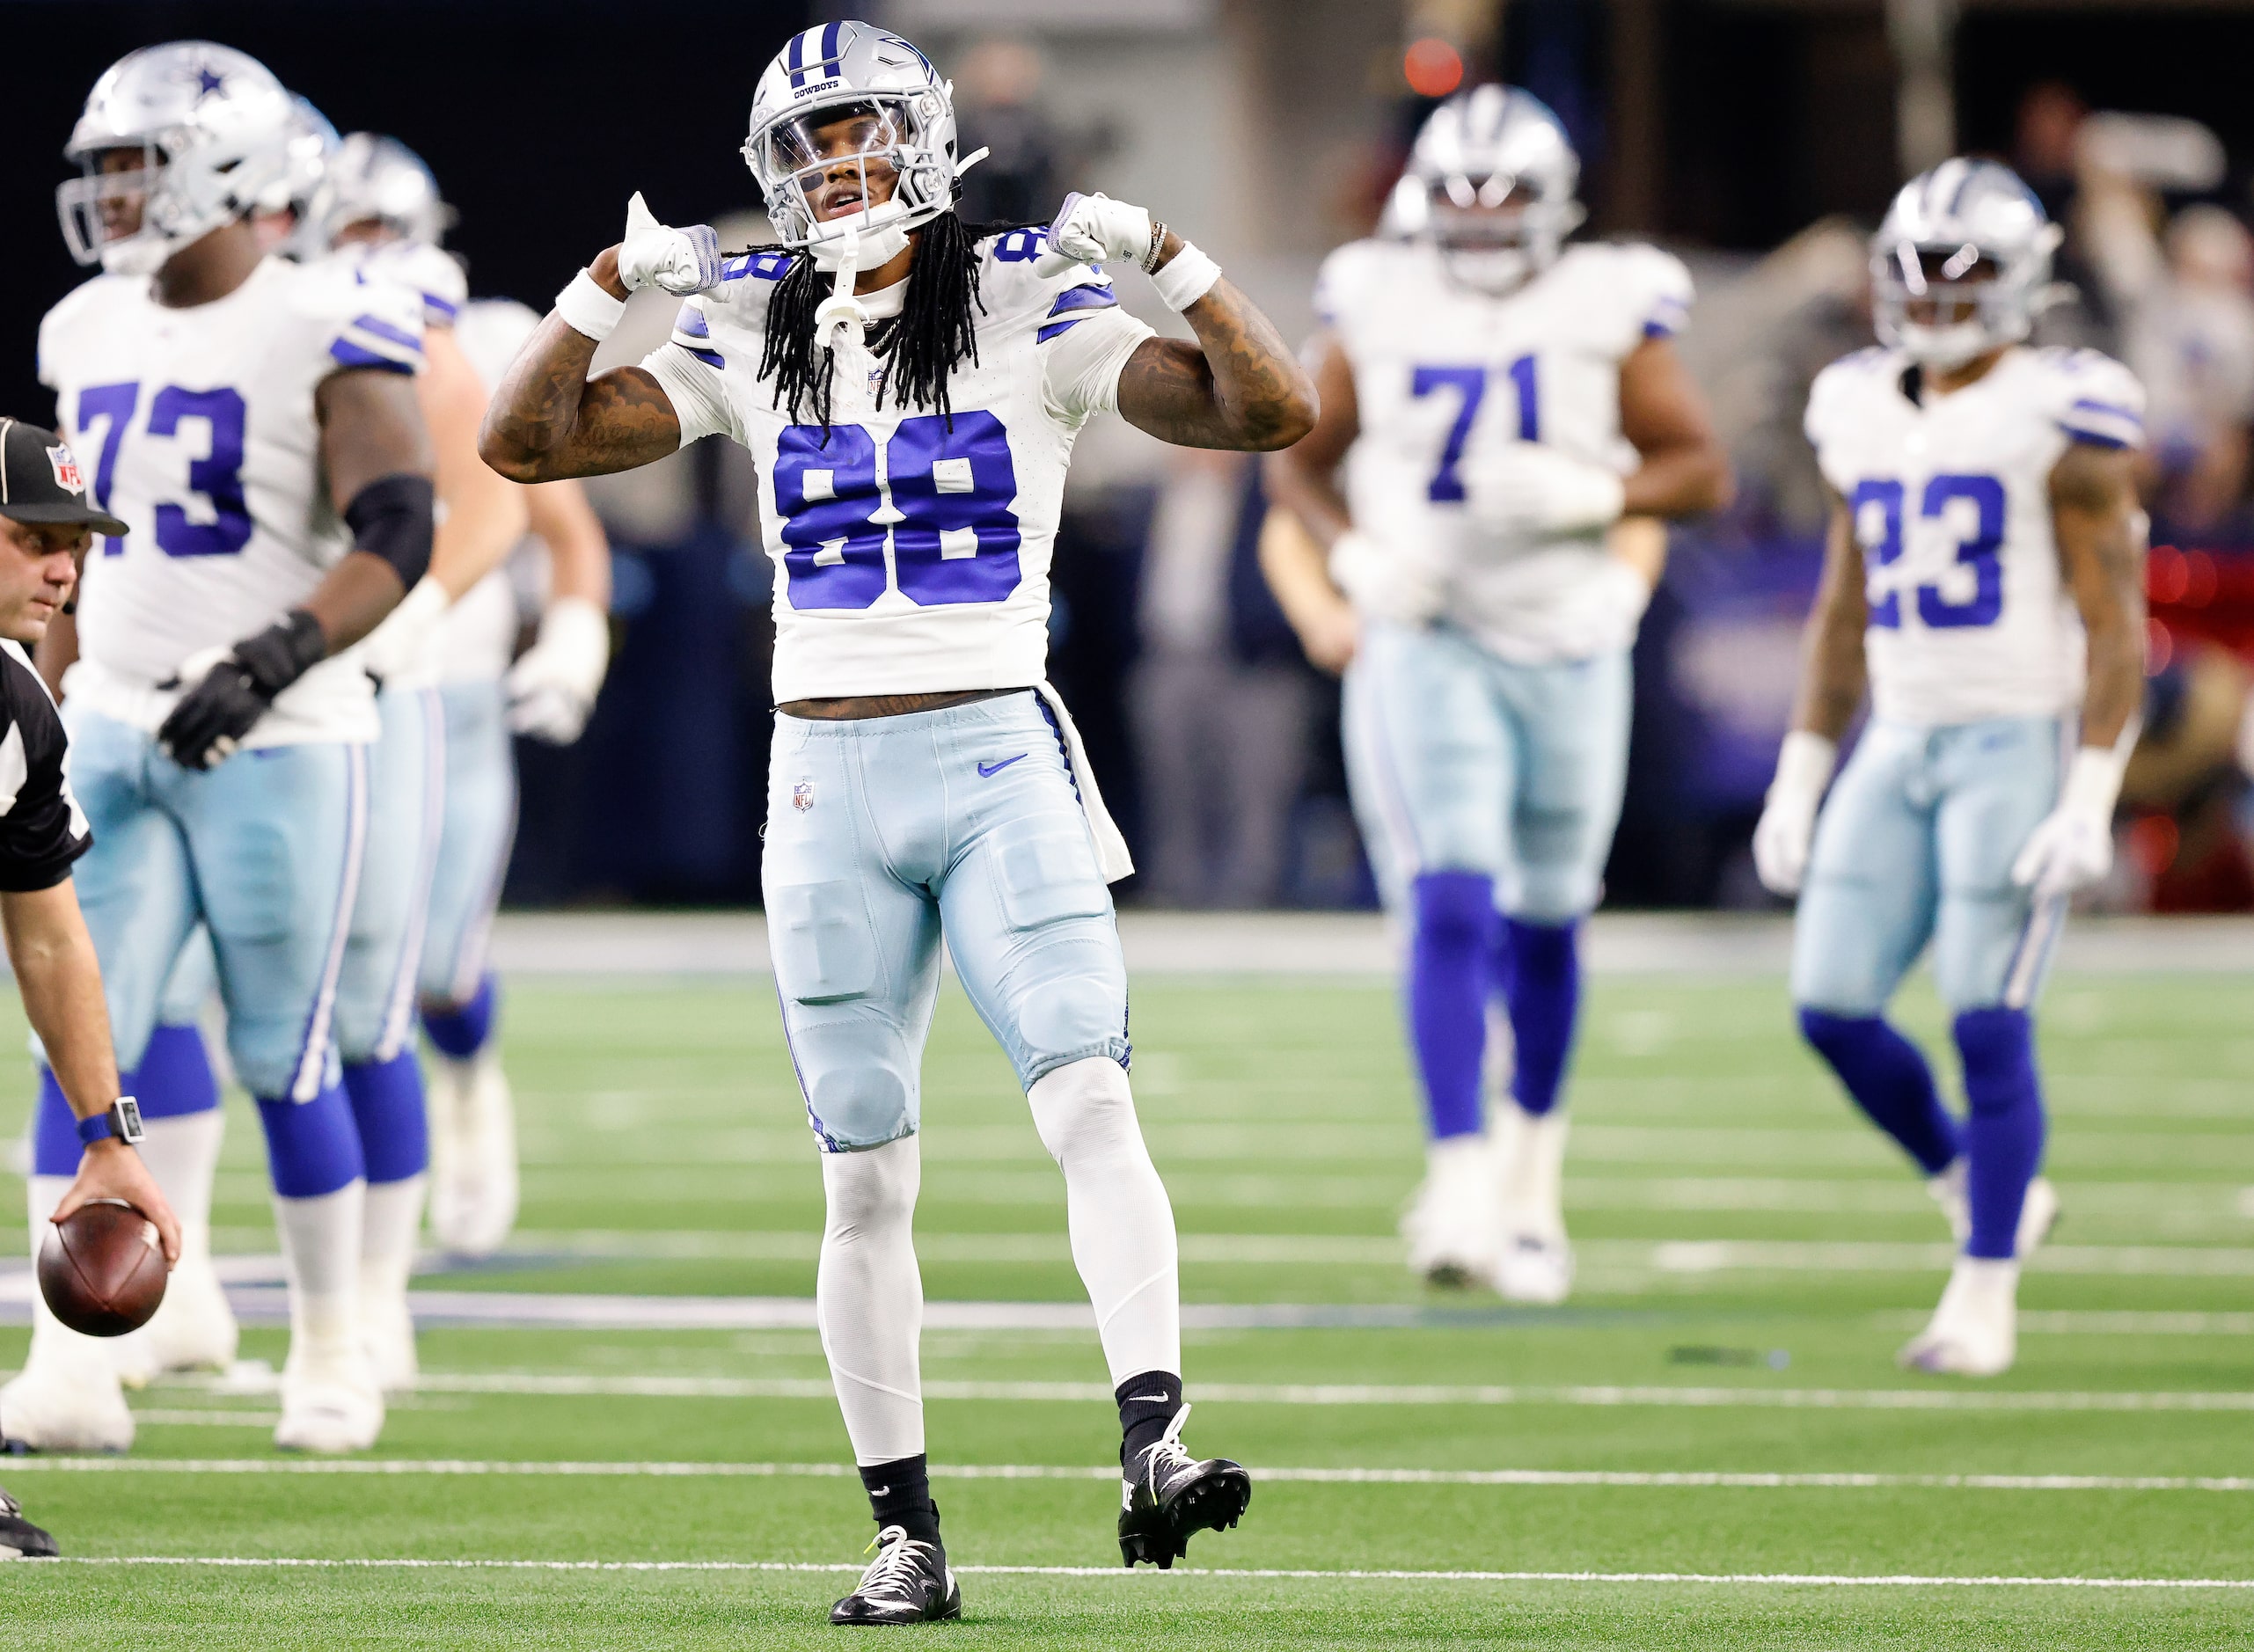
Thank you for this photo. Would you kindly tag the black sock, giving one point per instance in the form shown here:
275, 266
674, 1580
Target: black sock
900, 1495
1147, 1404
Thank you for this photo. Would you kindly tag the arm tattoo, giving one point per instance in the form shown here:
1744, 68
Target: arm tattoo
548, 420
1238, 387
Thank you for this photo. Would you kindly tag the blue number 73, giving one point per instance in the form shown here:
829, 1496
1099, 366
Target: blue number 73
1470, 384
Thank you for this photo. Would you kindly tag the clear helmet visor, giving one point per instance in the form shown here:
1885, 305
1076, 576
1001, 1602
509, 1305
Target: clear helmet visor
1944, 306
844, 163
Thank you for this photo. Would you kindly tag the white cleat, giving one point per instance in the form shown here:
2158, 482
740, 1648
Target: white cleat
2038, 1213
1453, 1238
330, 1404
193, 1328
1975, 1330
67, 1403
474, 1189
1535, 1268
387, 1336
1535, 1263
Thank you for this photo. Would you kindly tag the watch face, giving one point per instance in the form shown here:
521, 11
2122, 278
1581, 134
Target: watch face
129, 1118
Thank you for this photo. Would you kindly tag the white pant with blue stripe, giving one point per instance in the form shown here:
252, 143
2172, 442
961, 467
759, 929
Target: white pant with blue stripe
886, 834
1459, 761
480, 826
1915, 844
264, 850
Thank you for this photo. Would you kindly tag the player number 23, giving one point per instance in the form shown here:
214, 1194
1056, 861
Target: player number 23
945, 500
1969, 506
218, 477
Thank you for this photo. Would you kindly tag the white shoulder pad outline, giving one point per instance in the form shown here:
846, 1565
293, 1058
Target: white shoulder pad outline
2094, 398
1342, 282
366, 318
1832, 392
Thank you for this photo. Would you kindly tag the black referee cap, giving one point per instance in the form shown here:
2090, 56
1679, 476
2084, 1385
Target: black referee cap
41, 480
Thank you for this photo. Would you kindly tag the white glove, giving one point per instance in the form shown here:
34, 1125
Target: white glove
553, 688
400, 645
1385, 580
1787, 823
1525, 490
2072, 846
1094, 229
678, 261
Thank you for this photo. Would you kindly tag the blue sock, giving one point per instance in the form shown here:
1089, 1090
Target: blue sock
387, 1108
1448, 970
1541, 988
1890, 1081
461, 1032
312, 1148
55, 1130
2004, 1140
174, 1078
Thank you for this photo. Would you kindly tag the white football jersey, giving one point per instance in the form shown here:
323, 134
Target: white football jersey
200, 428
478, 638
1970, 616
433, 273
1443, 372
913, 549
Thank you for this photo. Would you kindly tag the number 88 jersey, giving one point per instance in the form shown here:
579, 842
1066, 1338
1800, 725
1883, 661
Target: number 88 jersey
911, 547
1949, 495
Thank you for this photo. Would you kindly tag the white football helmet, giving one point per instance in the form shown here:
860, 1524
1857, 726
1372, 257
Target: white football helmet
822, 78
1962, 263
373, 177
1490, 183
311, 139
212, 126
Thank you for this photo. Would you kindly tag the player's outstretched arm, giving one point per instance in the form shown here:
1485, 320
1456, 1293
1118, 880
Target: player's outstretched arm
52, 958
1238, 387
1686, 470
548, 420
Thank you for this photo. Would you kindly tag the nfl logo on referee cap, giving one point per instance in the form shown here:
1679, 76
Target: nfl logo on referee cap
801, 796
65, 464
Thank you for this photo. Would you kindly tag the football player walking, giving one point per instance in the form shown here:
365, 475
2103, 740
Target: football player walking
911, 388
1983, 578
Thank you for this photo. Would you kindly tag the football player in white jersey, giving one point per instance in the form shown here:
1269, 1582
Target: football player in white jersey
256, 425
910, 390
1983, 578
1496, 406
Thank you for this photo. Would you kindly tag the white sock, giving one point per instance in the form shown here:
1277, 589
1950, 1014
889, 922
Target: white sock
1121, 1223
1531, 1153
391, 1222
54, 1345
869, 1299
320, 1248
182, 1153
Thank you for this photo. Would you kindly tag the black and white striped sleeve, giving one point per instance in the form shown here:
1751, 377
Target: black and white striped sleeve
42, 830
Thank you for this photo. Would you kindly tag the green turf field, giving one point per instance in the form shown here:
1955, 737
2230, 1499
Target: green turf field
1714, 1433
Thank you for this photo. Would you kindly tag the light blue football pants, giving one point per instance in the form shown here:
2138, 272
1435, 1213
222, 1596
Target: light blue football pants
195, 978
885, 834
1915, 844
474, 841
376, 989
1461, 762
264, 850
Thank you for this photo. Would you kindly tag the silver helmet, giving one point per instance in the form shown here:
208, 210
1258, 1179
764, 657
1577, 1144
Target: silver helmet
371, 178
211, 124
886, 114
311, 139
1491, 182
1962, 263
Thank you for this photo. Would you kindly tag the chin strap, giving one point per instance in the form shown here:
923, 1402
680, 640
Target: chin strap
843, 319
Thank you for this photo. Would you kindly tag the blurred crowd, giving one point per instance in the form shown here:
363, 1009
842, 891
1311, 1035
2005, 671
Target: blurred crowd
1217, 737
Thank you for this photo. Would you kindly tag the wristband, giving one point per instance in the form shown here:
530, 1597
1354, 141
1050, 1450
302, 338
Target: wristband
1187, 277
1804, 765
122, 1120
587, 309
2093, 781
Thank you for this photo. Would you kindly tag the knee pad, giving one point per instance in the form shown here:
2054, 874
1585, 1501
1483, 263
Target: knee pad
859, 1081
1084, 1107
1070, 1016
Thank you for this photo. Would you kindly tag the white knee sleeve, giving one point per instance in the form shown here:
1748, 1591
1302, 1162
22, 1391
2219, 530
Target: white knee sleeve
1121, 1225
869, 1299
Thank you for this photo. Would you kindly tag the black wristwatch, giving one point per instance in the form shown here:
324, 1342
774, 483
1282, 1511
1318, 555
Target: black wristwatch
122, 1120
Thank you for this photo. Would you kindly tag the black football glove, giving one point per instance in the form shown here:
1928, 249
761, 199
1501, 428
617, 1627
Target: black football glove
209, 723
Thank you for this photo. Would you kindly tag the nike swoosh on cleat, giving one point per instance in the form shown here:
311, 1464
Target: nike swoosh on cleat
987, 770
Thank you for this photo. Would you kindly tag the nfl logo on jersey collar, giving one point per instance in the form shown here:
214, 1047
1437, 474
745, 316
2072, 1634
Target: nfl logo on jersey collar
801, 796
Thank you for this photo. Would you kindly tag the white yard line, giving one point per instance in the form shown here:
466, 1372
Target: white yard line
1154, 1579
1511, 1477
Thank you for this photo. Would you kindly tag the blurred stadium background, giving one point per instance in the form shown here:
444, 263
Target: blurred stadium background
1759, 138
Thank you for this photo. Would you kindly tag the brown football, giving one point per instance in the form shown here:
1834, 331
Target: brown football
102, 1268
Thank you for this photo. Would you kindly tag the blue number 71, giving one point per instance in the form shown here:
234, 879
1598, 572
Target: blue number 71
1470, 383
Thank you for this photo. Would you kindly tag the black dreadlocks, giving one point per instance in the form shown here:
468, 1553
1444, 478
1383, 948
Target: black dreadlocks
936, 328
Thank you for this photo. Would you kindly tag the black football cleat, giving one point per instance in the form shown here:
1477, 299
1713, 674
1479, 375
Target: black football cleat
1168, 1495
909, 1581
19, 1539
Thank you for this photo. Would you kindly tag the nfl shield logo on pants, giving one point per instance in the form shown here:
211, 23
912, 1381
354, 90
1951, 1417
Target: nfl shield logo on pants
801, 796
